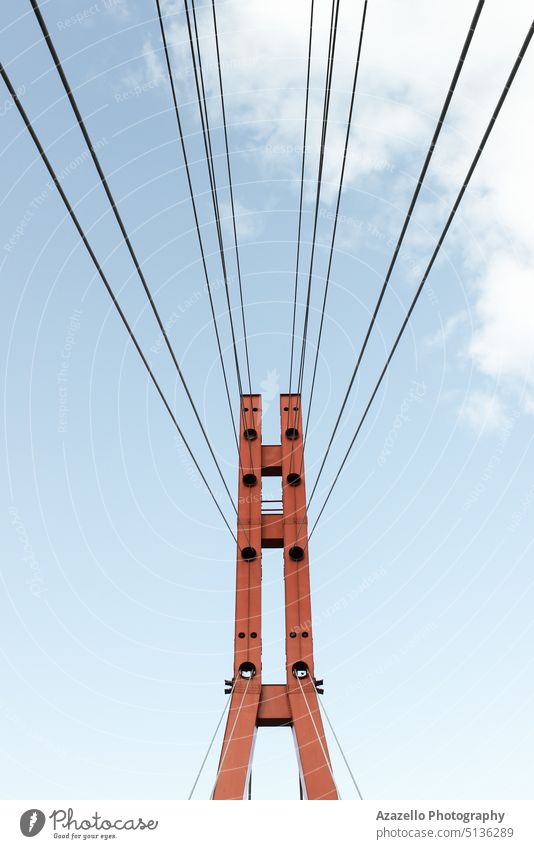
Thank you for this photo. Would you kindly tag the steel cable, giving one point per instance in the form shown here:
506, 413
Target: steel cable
305, 131
407, 219
120, 222
236, 247
206, 134
441, 239
336, 218
195, 213
104, 279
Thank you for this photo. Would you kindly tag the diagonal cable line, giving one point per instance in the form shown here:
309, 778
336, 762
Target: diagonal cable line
212, 740
326, 108
332, 242
407, 219
199, 235
326, 102
343, 755
299, 229
104, 279
334, 230
195, 215
206, 134
236, 246
124, 232
437, 249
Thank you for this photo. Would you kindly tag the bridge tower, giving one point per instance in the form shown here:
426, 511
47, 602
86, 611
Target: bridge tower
253, 703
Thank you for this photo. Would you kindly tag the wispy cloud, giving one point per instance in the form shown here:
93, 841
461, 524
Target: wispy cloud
248, 221
447, 330
484, 412
401, 88
146, 74
503, 344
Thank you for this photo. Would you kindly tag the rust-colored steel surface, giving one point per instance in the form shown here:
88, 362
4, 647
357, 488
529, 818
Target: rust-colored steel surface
294, 703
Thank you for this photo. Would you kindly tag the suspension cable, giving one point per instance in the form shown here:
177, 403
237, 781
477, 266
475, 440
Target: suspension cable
236, 247
336, 218
104, 279
206, 134
323, 710
195, 214
295, 293
407, 219
199, 235
205, 758
326, 106
428, 269
124, 232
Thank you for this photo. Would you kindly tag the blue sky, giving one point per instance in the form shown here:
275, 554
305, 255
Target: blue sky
117, 602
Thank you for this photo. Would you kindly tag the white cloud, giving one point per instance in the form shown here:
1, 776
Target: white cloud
153, 66
147, 74
248, 221
484, 412
409, 53
503, 346
447, 330
119, 9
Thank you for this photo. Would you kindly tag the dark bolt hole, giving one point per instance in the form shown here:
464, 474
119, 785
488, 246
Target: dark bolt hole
241, 635
250, 433
250, 479
296, 552
295, 409
253, 634
305, 634
300, 670
292, 635
254, 409
293, 479
245, 409
292, 433
248, 553
286, 409
247, 669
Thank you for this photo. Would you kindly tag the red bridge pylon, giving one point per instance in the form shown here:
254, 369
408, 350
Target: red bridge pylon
254, 704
